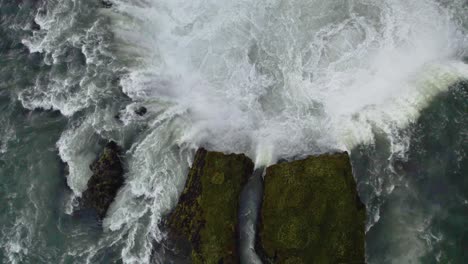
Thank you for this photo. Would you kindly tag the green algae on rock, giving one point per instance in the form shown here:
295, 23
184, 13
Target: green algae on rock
311, 213
206, 215
106, 180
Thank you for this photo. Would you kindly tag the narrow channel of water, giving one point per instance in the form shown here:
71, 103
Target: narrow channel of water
250, 202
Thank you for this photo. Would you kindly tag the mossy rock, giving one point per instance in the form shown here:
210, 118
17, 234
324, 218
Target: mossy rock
311, 213
106, 180
206, 215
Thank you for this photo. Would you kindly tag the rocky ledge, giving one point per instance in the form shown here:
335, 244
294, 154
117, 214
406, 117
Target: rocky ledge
310, 212
206, 215
106, 180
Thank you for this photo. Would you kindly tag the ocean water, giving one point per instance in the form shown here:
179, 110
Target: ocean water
384, 80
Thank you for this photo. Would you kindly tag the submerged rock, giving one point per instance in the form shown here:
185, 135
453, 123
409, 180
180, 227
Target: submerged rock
141, 111
35, 26
311, 213
106, 3
106, 180
207, 212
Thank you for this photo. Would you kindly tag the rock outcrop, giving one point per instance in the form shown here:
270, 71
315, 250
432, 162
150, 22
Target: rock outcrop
106, 180
106, 3
141, 111
206, 215
311, 213
35, 26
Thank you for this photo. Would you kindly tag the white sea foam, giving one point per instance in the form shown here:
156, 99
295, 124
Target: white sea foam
318, 81
7, 134
16, 246
271, 79
77, 53
274, 79
19, 236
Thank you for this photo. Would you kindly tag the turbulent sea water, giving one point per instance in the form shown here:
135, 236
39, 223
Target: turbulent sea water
275, 79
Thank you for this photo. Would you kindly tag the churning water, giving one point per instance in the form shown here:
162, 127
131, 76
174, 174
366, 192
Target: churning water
273, 79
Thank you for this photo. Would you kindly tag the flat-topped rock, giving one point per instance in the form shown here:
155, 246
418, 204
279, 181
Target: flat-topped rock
207, 212
311, 213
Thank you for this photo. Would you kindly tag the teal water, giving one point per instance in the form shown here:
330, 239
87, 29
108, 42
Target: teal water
424, 217
34, 225
294, 78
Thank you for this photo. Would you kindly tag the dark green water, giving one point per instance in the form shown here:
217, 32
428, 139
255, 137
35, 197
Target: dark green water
426, 214
33, 187
62, 85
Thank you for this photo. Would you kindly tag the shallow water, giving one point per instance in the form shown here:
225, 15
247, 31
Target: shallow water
273, 79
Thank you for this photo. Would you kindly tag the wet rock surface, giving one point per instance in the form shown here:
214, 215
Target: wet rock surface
141, 111
106, 180
106, 3
35, 26
311, 213
207, 212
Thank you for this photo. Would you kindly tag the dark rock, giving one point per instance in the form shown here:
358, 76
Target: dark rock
106, 3
311, 213
35, 26
206, 215
106, 180
141, 111
464, 245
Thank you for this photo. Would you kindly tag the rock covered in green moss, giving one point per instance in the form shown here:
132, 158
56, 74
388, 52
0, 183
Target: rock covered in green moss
311, 212
106, 180
206, 214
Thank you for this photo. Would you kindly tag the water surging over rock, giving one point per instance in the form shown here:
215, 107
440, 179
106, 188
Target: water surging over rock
106, 180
